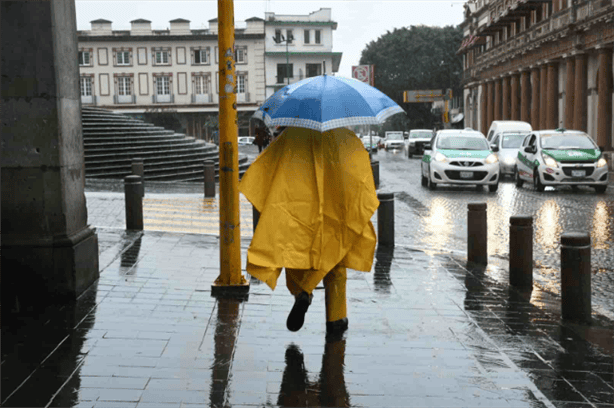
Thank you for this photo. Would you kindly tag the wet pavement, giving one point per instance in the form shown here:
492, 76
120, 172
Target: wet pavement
425, 331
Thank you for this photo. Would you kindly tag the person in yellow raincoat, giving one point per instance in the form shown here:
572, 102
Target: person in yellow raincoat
316, 196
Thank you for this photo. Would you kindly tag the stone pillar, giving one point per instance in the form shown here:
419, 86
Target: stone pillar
525, 96
543, 100
491, 104
505, 98
49, 253
483, 110
569, 93
580, 108
553, 96
604, 107
535, 88
498, 86
515, 100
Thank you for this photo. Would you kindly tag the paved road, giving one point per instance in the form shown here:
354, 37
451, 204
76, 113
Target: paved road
437, 220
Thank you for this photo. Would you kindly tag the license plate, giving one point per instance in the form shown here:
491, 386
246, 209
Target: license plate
466, 174
578, 173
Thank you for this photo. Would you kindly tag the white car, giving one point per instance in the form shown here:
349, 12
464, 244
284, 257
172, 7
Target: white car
561, 157
418, 138
394, 140
460, 157
508, 144
246, 140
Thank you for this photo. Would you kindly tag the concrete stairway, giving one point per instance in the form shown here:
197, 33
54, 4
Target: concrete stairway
111, 141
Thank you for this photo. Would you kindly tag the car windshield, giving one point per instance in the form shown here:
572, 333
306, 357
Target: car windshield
512, 141
395, 136
420, 135
557, 141
462, 143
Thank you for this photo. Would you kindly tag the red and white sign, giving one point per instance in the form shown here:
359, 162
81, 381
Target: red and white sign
363, 73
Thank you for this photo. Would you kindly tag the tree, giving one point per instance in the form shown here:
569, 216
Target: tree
418, 57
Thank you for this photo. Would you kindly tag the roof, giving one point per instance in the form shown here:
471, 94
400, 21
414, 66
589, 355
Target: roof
312, 23
179, 20
213, 20
255, 19
140, 20
460, 132
100, 20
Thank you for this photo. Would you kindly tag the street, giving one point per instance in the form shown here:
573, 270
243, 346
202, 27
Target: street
437, 220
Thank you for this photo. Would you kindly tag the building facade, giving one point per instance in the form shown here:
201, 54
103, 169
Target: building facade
546, 62
298, 47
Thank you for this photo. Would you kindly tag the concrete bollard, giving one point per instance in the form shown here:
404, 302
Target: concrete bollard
255, 217
138, 169
576, 276
134, 202
375, 169
476, 234
521, 251
209, 179
385, 220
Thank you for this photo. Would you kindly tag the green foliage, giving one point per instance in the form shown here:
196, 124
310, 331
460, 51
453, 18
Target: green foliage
414, 58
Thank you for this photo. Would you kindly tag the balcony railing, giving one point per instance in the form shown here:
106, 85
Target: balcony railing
120, 99
202, 98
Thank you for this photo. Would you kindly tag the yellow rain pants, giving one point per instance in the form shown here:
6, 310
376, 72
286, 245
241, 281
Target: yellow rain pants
316, 196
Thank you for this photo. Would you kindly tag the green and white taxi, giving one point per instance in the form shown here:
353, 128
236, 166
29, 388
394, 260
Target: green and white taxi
460, 157
561, 157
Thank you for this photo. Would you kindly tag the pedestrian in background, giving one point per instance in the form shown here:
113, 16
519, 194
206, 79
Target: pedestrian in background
262, 137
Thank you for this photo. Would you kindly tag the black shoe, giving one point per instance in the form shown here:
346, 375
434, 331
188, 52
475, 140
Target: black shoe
296, 318
337, 327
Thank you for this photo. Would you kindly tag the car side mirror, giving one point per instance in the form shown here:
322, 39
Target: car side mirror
529, 149
494, 147
427, 146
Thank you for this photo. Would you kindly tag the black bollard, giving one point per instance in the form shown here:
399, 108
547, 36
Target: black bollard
476, 234
134, 202
209, 179
375, 169
138, 169
521, 251
255, 217
385, 220
576, 276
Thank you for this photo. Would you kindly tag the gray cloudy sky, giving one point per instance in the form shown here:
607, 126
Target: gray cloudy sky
359, 22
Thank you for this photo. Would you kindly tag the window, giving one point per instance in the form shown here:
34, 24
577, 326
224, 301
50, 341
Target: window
84, 58
306, 36
277, 35
284, 71
201, 84
163, 85
201, 56
241, 83
86, 86
318, 36
123, 86
289, 36
313, 70
241, 55
123, 58
162, 57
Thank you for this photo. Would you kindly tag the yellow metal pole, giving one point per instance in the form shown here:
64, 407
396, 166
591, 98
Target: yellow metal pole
231, 279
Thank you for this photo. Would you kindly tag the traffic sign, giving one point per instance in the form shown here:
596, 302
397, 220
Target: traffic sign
429, 95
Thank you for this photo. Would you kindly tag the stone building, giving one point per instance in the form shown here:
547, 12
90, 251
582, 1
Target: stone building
546, 62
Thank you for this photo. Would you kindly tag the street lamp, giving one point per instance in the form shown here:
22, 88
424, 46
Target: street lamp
279, 40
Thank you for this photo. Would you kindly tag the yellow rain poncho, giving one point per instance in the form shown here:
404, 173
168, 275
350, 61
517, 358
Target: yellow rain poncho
316, 196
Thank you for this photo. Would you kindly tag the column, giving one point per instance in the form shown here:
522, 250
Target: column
535, 88
515, 100
505, 98
491, 104
569, 93
553, 95
580, 103
543, 97
49, 253
483, 110
604, 107
498, 86
525, 96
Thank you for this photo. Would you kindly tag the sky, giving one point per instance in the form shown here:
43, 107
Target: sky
358, 22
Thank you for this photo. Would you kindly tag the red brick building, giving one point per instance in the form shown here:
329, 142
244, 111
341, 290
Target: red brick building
546, 62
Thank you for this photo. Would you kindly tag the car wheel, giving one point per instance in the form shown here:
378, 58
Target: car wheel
424, 182
537, 183
493, 187
410, 154
430, 184
519, 181
600, 189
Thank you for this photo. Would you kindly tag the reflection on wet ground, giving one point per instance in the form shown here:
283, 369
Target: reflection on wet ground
424, 331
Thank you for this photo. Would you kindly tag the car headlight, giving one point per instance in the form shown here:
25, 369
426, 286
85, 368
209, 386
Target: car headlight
601, 162
440, 157
492, 158
510, 160
549, 161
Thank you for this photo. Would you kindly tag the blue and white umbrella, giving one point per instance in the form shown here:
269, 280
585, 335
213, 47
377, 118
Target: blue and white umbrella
327, 102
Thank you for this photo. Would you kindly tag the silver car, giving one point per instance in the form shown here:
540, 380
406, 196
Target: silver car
508, 144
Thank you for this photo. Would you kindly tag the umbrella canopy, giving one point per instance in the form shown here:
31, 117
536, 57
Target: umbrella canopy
325, 102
